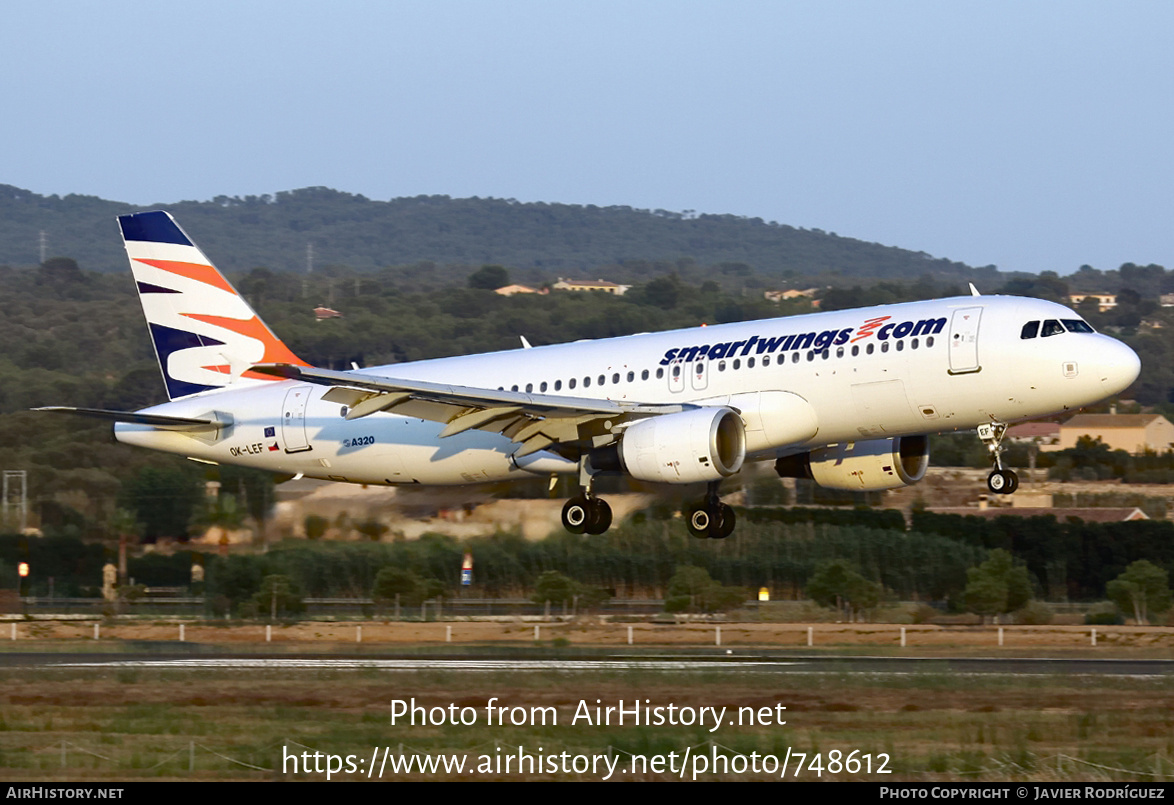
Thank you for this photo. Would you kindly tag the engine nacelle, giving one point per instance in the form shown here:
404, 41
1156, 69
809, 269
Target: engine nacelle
704, 444
861, 466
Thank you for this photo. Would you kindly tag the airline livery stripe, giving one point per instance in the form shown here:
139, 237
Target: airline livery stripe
275, 351
200, 272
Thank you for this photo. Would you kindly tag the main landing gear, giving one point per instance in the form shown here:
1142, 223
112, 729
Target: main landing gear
1001, 481
587, 514
712, 519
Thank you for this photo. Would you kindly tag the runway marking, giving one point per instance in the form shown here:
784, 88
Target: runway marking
430, 665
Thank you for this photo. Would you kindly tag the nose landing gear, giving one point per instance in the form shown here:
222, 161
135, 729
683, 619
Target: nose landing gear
1001, 481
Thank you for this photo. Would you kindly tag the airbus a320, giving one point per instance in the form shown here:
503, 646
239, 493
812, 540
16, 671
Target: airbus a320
844, 398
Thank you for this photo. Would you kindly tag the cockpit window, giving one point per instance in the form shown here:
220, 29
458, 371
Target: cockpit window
1030, 330
1078, 326
1052, 327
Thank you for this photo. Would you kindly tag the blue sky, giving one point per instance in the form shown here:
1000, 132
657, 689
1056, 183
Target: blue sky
1033, 136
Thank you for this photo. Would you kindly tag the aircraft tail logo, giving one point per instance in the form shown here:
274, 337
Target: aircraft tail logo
206, 335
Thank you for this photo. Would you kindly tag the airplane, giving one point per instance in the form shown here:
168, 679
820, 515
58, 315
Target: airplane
845, 398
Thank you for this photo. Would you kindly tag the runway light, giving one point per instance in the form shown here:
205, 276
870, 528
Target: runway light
763, 594
23, 569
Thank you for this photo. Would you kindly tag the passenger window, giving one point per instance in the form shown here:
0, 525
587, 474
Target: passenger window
750, 363
543, 386
871, 348
660, 374
615, 378
900, 346
885, 347
737, 363
571, 383
558, 385
631, 376
644, 375
1030, 330
929, 341
1051, 327
855, 351
586, 382
529, 387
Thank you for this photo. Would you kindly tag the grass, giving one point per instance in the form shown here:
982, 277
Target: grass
121, 724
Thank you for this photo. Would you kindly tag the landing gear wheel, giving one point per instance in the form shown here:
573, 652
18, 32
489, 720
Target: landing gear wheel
700, 521
599, 519
1002, 482
727, 522
713, 520
577, 514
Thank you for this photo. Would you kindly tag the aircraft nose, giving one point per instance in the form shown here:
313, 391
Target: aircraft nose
1117, 366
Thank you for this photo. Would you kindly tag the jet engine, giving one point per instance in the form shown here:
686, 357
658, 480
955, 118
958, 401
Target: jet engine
704, 444
861, 466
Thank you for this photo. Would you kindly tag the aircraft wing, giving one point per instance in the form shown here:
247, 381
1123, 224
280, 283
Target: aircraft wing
536, 421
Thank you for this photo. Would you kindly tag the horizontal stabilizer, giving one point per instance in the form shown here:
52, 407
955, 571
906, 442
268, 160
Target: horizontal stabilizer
179, 423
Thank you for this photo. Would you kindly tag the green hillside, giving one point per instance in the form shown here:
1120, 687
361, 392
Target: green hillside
543, 240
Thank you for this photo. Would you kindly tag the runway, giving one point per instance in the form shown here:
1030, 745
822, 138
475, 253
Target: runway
748, 662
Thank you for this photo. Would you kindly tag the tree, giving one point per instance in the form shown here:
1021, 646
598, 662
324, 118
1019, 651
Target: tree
1143, 587
998, 585
556, 588
836, 584
692, 589
278, 596
489, 278
411, 588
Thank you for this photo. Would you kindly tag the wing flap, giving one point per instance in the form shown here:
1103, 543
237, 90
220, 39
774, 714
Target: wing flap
534, 421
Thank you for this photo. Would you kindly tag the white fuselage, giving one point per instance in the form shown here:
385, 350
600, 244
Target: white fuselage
896, 370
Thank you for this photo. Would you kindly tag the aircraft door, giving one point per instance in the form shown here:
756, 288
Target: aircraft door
293, 419
964, 340
677, 376
700, 374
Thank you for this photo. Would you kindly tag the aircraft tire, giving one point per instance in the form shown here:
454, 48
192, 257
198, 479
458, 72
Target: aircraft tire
1002, 482
599, 519
577, 514
699, 521
1013, 478
728, 520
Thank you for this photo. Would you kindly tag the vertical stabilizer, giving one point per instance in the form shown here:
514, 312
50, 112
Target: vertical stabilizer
206, 335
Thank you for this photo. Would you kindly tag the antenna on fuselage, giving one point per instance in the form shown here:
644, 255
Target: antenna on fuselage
973, 290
